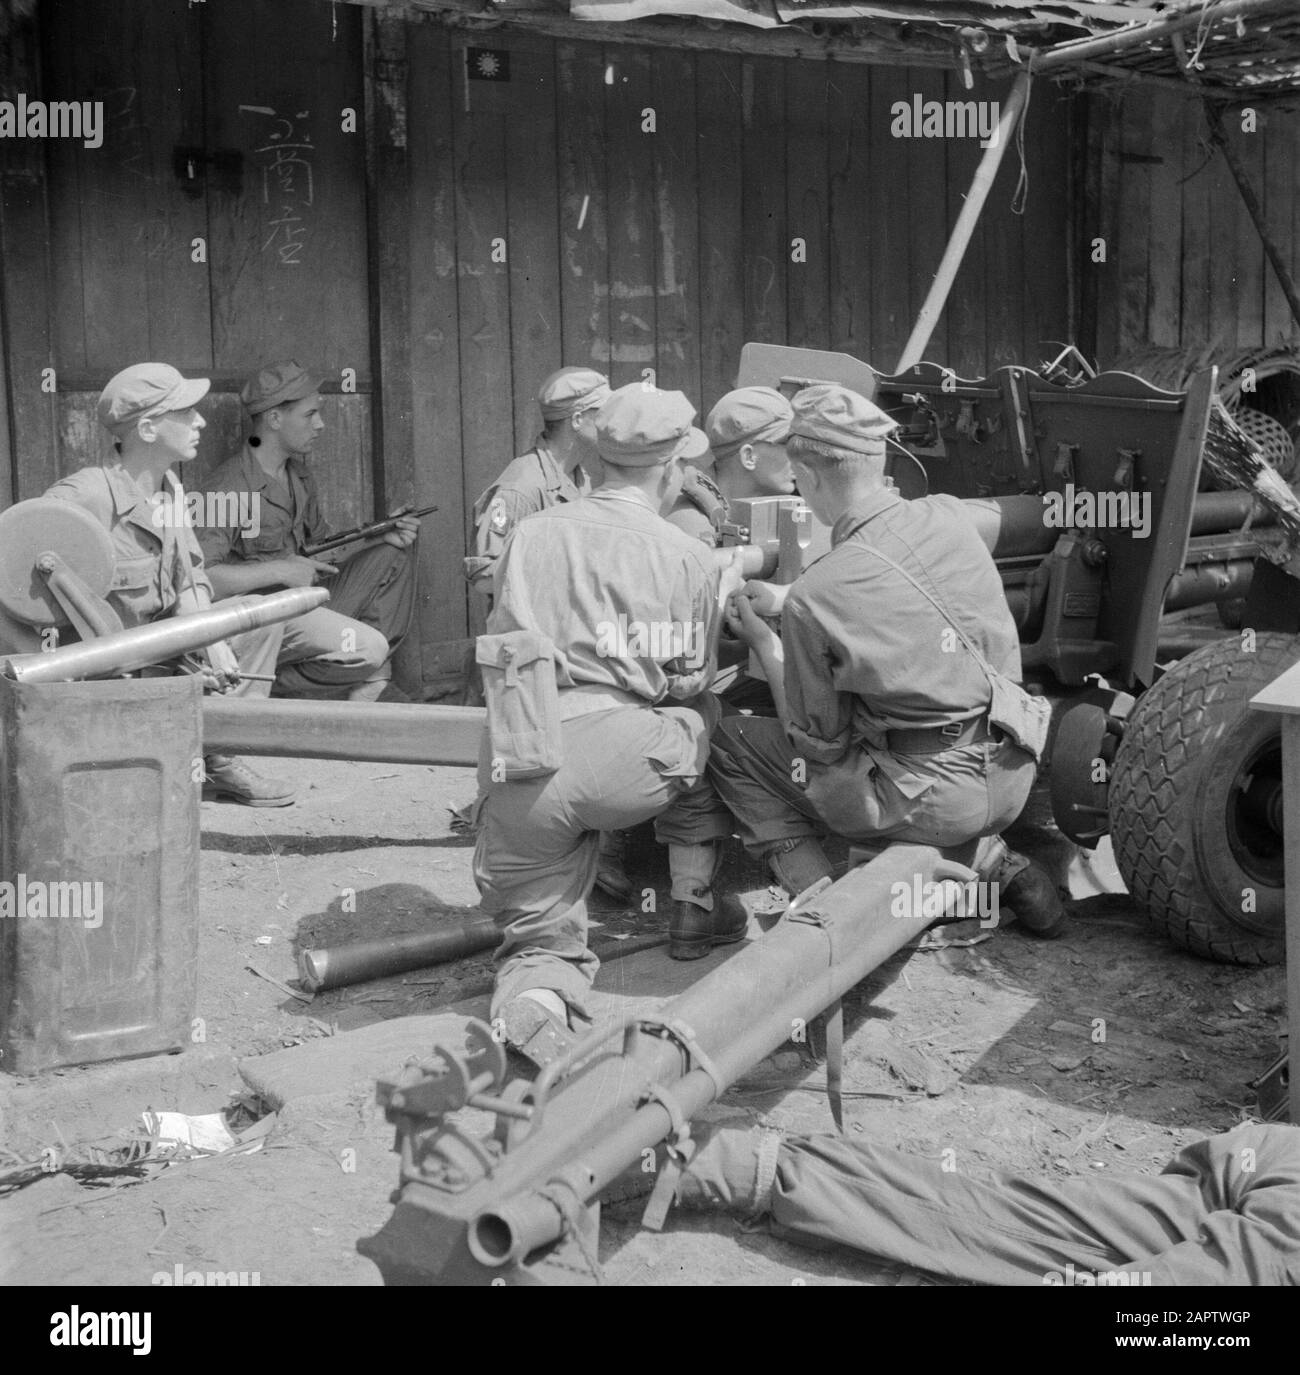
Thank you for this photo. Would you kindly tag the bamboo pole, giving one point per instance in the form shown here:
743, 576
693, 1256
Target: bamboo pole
1072, 53
981, 185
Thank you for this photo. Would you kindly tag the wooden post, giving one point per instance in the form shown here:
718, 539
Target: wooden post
1255, 209
980, 186
397, 480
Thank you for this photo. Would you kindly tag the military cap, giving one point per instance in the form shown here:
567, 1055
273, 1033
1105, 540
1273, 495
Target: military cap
748, 416
278, 385
640, 426
570, 390
835, 415
145, 390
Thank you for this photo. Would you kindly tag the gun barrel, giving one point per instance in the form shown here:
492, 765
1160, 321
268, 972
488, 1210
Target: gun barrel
360, 532
126, 650
382, 732
595, 1123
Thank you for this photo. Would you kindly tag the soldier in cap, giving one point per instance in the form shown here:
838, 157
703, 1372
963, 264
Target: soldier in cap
630, 605
694, 504
747, 430
345, 647
558, 468
746, 434
152, 413
879, 675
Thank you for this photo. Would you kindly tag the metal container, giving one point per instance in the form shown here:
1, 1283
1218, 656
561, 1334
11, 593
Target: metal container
99, 845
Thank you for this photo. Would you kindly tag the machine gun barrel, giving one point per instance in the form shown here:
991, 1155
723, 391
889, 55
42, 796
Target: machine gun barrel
594, 1113
126, 650
360, 532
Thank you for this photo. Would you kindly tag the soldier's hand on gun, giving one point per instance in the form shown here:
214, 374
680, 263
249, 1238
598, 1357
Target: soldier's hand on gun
222, 667
301, 570
731, 574
407, 529
744, 622
767, 598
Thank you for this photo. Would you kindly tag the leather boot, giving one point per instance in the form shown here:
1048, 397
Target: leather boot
1024, 890
226, 779
536, 1025
1034, 901
697, 921
798, 864
611, 877
693, 930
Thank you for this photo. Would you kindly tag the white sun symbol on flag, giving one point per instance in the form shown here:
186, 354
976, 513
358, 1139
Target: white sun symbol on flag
488, 65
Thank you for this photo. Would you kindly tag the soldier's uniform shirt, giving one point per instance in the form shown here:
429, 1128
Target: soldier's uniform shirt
533, 482
632, 749
865, 652
649, 575
153, 561
289, 512
372, 596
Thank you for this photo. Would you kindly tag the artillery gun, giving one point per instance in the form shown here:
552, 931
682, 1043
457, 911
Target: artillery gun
1113, 509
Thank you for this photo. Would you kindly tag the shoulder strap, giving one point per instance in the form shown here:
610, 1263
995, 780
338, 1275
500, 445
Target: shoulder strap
934, 602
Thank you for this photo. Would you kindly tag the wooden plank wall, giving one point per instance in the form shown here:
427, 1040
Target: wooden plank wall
481, 233
630, 250
277, 193
1184, 264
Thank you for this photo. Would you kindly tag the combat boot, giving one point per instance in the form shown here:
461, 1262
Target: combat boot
1024, 890
536, 1025
1034, 901
798, 864
611, 877
698, 921
226, 779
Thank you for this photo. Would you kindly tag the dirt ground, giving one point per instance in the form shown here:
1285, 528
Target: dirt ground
990, 1050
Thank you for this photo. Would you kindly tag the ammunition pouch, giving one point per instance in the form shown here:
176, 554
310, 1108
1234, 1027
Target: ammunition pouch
523, 704
1025, 718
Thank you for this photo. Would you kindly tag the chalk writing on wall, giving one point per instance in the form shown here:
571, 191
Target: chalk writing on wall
285, 154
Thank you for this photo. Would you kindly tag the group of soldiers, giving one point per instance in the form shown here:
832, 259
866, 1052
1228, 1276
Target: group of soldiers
864, 724
879, 683
882, 715
167, 562
892, 714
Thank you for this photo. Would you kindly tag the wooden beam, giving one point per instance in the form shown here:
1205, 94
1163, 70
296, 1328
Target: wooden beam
396, 481
921, 50
914, 349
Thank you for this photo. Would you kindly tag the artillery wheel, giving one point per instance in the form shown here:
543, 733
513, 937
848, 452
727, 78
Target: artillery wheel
1196, 803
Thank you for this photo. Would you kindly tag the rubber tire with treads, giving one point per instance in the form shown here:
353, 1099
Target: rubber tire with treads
1172, 794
